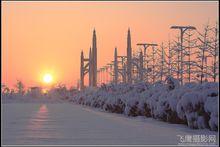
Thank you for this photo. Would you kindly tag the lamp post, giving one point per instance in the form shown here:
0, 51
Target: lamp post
182, 29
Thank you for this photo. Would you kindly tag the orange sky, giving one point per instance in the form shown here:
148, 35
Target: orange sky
38, 37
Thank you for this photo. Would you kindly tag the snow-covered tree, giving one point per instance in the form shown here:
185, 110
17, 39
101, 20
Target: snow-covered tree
152, 65
177, 60
213, 52
20, 87
190, 46
170, 58
202, 54
5, 89
161, 66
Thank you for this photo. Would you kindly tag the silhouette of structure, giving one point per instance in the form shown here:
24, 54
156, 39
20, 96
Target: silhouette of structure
121, 69
116, 67
89, 65
94, 60
145, 59
150, 64
129, 58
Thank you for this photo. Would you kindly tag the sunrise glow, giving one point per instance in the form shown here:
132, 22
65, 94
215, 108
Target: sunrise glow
47, 78
38, 33
110, 72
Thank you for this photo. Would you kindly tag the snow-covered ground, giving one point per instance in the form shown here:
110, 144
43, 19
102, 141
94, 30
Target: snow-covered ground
64, 123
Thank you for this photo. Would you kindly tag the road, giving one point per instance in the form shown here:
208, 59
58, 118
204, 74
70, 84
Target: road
69, 124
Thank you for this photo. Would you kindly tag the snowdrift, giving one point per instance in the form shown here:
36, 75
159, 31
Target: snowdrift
193, 104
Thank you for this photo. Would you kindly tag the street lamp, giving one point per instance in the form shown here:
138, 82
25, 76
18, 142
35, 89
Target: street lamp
182, 31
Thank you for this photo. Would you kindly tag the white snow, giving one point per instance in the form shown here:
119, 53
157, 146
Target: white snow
69, 124
55, 119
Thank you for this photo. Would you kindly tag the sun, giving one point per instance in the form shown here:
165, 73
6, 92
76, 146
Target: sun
47, 78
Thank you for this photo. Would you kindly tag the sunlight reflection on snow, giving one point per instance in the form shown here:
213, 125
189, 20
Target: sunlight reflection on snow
40, 125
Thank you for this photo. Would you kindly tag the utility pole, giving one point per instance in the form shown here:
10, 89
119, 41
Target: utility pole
94, 59
129, 58
115, 66
91, 65
141, 67
146, 45
90, 68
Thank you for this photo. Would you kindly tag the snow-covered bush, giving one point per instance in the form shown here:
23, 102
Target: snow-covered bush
191, 108
211, 107
60, 92
192, 104
199, 106
172, 83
